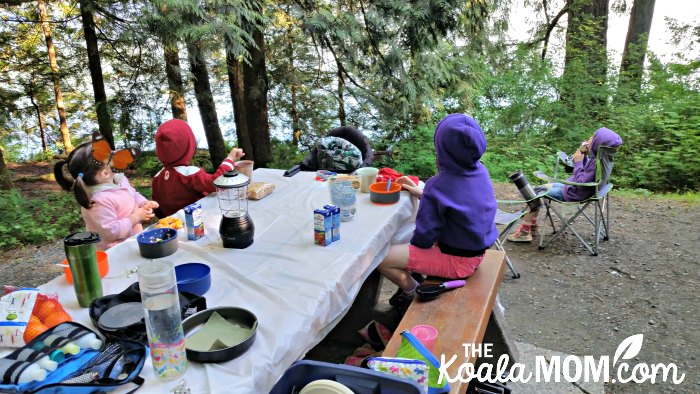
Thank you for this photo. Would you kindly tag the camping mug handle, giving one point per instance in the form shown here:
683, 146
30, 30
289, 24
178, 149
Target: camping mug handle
453, 284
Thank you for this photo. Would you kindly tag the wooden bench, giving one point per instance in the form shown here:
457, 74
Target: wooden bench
460, 316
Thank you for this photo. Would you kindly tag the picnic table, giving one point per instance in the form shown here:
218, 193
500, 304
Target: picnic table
298, 290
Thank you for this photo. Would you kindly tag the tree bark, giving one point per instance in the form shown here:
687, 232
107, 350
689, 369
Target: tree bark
178, 105
60, 105
585, 62
5, 175
40, 121
205, 102
103, 117
341, 97
235, 83
632, 66
255, 86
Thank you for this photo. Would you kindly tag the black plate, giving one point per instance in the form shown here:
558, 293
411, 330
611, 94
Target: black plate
235, 315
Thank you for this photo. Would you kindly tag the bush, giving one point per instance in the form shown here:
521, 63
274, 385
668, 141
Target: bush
37, 220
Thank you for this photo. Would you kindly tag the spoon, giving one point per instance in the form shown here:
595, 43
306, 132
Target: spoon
429, 292
388, 184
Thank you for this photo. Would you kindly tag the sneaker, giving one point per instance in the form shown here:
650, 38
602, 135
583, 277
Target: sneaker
401, 300
520, 235
420, 278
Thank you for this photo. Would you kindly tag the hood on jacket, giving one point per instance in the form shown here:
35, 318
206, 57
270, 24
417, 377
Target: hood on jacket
604, 137
175, 143
459, 143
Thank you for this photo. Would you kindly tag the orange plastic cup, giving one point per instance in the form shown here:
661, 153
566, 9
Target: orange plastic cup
102, 266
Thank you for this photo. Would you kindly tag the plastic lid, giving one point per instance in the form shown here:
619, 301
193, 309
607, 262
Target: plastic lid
155, 276
231, 179
77, 239
121, 315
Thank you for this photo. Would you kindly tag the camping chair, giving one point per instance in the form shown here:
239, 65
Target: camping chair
508, 220
599, 201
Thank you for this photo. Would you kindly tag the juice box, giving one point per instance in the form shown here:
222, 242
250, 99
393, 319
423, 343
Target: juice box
323, 227
194, 221
336, 220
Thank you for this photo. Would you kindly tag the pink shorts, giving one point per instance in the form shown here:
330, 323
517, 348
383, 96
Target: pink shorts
435, 263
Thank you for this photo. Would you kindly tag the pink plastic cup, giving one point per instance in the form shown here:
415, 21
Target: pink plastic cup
245, 167
426, 334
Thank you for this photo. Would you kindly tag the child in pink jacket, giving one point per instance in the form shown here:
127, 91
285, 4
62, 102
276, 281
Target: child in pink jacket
110, 206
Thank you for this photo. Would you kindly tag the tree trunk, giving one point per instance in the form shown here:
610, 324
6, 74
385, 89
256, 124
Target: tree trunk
60, 105
294, 114
5, 175
585, 62
205, 102
632, 66
40, 121
174, 75
341, 96
293, 89
98, 85
255, 87
235, 83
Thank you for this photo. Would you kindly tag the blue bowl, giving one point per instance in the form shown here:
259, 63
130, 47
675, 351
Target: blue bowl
193, 278
157, 243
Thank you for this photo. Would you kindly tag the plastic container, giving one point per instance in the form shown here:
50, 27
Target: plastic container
359, 380
157, 243
368, 176
82, 259
379, 195
102, 266
161, 306
193, 278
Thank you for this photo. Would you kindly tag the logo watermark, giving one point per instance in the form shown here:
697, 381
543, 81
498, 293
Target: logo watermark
570, 368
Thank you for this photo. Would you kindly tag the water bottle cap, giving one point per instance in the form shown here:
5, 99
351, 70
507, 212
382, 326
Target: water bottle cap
156, 275
83, 238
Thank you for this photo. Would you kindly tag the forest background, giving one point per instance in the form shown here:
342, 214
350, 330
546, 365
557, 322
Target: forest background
289, 71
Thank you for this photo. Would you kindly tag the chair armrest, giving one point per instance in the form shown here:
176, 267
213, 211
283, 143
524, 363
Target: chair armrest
540, 195
547, 178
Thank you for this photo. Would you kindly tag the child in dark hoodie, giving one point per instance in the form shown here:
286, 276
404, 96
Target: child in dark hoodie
584, 172
178, 184
455, 220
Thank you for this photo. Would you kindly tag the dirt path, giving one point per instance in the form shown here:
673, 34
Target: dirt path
644, 281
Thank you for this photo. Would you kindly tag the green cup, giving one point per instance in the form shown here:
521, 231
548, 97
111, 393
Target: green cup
82, 259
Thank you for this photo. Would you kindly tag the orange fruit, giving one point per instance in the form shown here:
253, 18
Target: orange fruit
47, 308
33, 319
33, 330
56, 318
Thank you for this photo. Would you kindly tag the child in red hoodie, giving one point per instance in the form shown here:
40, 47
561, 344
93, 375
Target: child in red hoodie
178, 184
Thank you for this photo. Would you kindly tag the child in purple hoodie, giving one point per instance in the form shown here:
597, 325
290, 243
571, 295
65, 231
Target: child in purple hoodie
584, 172
455, 219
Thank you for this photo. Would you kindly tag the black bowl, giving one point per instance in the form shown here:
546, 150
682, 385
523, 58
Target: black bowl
156, 243
239, 316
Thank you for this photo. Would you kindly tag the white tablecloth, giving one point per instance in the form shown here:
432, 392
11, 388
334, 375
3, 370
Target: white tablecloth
297, 290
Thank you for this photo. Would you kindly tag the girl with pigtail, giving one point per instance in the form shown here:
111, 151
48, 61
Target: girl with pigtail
110, 206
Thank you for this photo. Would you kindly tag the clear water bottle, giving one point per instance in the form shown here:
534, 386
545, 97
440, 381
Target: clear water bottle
161, 306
